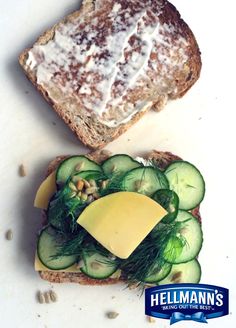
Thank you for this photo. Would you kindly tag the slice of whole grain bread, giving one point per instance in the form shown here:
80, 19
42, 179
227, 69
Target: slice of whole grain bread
161, 45
162, 159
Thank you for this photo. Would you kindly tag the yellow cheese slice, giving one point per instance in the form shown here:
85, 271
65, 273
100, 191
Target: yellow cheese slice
45, 191
120, 221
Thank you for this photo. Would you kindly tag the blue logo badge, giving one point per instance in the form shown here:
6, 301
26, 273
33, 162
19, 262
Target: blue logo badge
197, 302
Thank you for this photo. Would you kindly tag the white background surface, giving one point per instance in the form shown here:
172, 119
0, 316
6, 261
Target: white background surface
200, 128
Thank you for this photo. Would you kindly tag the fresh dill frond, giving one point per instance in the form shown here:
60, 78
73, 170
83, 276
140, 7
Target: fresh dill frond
72, 245
150, 254
63, 210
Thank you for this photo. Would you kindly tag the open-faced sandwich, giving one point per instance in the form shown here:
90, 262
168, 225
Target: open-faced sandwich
115, 218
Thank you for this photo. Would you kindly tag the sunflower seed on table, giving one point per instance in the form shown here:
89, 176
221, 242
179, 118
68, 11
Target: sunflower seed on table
151, 319
22, 170
40, 297
53, 296
112, 314
47, 297
9, 234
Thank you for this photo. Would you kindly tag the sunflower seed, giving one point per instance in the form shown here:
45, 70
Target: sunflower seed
53, 296
90, 190
92, 183
41, 298
9, 234
22, 170
96, 195
47, 297
104, 184
112, 314
113, 168
86, 184
96, 265
84, 196
151, 319
79, 167
80, 185
106, 152
72, 186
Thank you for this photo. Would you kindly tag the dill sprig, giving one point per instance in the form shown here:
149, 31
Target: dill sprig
150, 254
72, 244
63, 211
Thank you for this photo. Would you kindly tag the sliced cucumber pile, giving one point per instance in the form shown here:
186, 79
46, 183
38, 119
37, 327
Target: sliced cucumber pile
188, 183
144, 180
187, 243
48, 242
170, 201
158, 273
189, 272
97, 266
73, 165
118, 165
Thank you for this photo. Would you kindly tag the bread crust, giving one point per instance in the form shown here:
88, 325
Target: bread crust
163, 159
92, 132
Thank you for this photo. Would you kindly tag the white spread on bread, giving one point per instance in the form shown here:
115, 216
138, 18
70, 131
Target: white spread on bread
96, 58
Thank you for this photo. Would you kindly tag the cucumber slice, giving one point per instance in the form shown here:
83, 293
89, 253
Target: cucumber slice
186, 180
119, 164
97, 266
158, 273
170, 201
145, 180
186, 245
48, 241
74, 164
189, 272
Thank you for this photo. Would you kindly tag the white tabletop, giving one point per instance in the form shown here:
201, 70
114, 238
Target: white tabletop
200, 128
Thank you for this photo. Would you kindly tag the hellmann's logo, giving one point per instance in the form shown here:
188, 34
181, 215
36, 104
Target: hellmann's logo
197, 302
